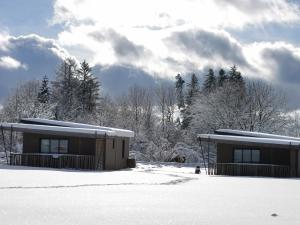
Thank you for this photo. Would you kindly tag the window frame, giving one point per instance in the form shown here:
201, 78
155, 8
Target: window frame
49, 146
123, 149
251, 155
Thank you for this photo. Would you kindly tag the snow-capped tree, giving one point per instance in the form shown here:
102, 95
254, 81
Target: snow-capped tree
191, 95
258, 108
88, 90
64, 91
24, 102
210, 81
44, 92
222, 77
179, 86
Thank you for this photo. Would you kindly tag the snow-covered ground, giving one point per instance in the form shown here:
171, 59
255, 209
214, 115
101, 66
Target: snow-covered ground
149, 194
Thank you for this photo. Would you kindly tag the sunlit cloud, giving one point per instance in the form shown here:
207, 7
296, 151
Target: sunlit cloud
9, 63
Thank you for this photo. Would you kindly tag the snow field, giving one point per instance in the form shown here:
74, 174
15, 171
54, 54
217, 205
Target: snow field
150, 194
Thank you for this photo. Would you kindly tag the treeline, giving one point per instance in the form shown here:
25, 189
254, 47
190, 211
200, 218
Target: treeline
165, 119
227, 100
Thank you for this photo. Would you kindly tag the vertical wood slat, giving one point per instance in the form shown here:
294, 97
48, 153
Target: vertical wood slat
86, 162
239, 169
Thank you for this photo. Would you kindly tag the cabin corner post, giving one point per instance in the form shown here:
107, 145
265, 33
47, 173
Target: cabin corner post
4, 144
298, 162
202, 153
293, 161
104, 152
11, 143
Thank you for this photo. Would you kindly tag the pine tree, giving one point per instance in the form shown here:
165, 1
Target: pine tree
64, 90
210, 81
44, 92
235, 75
179, 85
88, 91
222, 77
193, 88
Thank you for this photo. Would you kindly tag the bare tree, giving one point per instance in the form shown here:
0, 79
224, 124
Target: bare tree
255, 107
23, 102
166, 102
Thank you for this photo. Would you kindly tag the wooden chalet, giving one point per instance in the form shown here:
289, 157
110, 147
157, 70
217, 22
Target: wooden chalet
60, 144
243, 153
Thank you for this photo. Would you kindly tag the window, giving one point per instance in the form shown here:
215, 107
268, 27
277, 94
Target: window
238, 156
255, 156
45, 145
246, 156
63, 146
123, 149
54, 146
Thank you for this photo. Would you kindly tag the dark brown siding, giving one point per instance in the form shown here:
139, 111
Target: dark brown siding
100, 151
274, 156
106, 157
77, 146
113, 156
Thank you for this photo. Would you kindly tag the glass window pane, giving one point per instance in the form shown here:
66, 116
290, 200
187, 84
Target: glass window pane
246, 155
54, 146
63, 146
255, 156
238, 157
45, 144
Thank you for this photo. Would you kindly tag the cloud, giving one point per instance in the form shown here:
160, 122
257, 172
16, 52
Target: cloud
10, 63
137, 35
42, 56
4, 41
213, 45
268, 10
35, 42
123, 48
135, 39
284, 61
26, 58
277, 63
115, 80
171, 13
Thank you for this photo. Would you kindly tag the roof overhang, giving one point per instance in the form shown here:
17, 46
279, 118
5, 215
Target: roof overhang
249, 141
110, 131
57, 130
253, 134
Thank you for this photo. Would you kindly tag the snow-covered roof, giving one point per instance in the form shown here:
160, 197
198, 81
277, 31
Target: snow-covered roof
65, 128
244, 139
117, 131
253, 134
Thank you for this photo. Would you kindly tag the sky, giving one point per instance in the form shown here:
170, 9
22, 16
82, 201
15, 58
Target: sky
136, 41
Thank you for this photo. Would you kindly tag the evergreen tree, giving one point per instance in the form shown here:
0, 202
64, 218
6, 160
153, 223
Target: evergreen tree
44, 92
179, 85
64, 90
235, 75
222, 77
210, 81
88, 91
193, 88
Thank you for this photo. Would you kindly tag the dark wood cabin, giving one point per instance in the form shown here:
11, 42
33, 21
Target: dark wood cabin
257, 154
61, 144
